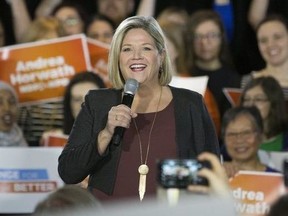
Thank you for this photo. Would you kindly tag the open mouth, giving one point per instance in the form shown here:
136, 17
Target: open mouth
138, 67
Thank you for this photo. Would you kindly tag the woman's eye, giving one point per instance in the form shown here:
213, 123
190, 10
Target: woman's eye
126, 49
147, 48
263, 40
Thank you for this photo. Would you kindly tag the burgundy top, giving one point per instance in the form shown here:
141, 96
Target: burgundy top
162, 145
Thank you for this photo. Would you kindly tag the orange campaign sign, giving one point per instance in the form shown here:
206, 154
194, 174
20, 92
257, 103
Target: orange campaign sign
233, 95
98, 52
254, 192
39, 71
56, 140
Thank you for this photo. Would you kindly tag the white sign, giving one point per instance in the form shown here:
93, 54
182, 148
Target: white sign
27, 176
198, 84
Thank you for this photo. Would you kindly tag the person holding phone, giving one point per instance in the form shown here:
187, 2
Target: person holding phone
218, 184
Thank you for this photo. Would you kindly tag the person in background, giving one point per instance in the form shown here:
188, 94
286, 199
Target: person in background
72, 17
75, 91
210, 56
176, 33
266, 94
160, 124
10, 133
100, 28
272, 38
242, 131
115, 10
67, 199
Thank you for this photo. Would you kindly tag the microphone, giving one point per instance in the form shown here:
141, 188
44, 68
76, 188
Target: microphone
130, 89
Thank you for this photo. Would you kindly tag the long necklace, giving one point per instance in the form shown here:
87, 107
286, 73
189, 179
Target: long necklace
143, 168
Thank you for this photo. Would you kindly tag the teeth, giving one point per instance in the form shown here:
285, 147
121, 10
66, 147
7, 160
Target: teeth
241, 149
273, 52
137, 66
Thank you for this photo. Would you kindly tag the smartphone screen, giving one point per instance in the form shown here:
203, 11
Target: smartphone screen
179, 173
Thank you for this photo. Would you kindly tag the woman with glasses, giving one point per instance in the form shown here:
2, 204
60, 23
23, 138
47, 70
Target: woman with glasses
242, 131
210, 55
72, 17
267, 95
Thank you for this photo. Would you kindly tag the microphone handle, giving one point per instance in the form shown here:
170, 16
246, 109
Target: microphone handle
119, 131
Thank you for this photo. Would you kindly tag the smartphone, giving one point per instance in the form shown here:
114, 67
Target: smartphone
179, 173
285, 171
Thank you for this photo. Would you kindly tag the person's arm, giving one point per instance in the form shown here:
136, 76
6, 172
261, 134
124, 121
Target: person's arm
257, 12
45, 7
91, 135
225, 9
80, 154
146, 8
21, 18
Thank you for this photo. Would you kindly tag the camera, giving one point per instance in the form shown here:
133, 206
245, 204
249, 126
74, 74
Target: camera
179, 173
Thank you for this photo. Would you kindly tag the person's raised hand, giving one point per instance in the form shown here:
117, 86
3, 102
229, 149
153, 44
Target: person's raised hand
217, 179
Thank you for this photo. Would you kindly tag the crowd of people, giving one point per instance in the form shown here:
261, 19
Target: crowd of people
150, 42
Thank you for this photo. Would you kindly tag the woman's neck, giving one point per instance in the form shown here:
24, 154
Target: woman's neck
147, 99
209, 65
251, 165
280, 73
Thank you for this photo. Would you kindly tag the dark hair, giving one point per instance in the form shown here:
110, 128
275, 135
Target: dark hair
85, 76
80, 10
67, 198
198, 18
279, 207
254, 114
99, 17
277, 117
271, 18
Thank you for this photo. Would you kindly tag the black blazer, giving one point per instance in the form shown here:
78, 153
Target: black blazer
195, 133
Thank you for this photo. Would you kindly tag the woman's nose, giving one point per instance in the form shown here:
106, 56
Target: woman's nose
137, 54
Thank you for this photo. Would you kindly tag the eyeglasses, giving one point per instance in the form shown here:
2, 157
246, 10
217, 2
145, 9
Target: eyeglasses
246, 134
255, 100
70, 21
209, 36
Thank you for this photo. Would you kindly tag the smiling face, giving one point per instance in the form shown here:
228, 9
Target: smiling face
139, 57
241, 139
272, 40
207, 41
8, 110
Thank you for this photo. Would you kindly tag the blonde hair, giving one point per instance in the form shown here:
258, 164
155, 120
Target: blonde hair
150, 25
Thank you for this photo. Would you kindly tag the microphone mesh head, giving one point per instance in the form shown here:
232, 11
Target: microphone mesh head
131, 86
